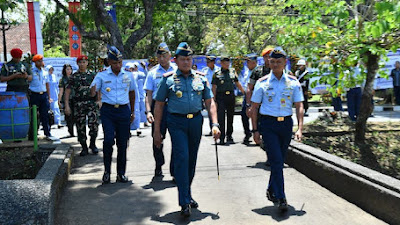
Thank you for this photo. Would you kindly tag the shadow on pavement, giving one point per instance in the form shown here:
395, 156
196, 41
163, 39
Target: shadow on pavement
158, 184
279, 216
260, 165
175, 217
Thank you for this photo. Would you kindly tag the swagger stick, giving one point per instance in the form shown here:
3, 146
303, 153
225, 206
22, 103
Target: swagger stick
216, 153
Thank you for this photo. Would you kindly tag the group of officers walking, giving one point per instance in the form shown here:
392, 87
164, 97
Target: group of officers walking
175, 97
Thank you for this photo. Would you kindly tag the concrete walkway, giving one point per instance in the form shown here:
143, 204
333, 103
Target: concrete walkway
237, 198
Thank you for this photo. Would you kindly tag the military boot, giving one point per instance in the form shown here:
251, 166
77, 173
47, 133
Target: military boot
93, 147
84, 149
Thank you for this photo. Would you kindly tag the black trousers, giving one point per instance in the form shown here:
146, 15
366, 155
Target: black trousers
70, 120
225, 103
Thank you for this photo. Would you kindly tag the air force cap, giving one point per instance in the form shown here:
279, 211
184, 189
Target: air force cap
114, 54
278, 53
251, 56
162, 48
211, 57
183, 49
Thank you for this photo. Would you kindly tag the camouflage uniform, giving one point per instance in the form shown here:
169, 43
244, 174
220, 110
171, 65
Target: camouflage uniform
18, 84
84, 104
257, 73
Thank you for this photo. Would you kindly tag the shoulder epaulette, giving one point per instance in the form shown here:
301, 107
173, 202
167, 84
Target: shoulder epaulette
200, 73
168, 74
291, 76
263, 78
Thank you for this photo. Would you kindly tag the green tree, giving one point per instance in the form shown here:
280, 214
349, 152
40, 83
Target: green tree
336, 35
55, 31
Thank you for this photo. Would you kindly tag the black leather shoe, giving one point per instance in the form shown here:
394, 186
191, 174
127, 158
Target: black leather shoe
106, 178
194, 204
209, 134
84, 152
122, 178
94, 149
186, 211
221, 143
229, 140
271, 196
157, 172
282, 205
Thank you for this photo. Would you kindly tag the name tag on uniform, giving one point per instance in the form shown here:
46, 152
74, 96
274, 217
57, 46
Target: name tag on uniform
107, 82
126, 80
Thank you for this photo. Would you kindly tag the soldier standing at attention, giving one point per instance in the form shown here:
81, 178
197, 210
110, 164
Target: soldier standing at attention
185, 90
222, 87
16, 73
251, 60
84, 104
117, 88
209, 70
275, 94
154, 76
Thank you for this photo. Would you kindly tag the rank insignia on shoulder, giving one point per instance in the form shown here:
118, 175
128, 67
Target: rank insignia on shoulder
200, 73
263, 78
168, 74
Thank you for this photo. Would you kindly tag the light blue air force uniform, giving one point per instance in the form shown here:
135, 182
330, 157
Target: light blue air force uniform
115, 114
276, 98
184, 122
114, 89
209, 72
39, 80
154, 76
140, 78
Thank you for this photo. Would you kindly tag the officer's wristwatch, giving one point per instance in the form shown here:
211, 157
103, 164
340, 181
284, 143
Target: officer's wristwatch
253, 131
248, 105
215, 125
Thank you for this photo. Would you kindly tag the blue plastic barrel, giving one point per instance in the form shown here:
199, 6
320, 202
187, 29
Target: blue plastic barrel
14, 116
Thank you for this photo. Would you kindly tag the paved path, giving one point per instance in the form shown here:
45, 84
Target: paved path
237, 198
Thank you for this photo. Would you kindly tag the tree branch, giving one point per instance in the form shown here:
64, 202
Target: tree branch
97, 35
140, 33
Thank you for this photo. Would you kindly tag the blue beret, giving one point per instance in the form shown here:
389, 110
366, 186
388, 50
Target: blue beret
251, 56
162, 48
183, 49
114, 53
277, 53
211, 57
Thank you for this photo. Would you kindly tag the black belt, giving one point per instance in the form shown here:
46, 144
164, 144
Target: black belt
189, 115
115, 106
279, 118
38, 93
225, 92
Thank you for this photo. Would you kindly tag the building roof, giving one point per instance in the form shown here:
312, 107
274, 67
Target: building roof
17, 37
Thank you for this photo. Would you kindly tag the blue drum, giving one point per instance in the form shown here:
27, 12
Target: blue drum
14, 116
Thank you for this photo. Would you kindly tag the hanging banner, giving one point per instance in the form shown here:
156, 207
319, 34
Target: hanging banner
35, 30
75, 39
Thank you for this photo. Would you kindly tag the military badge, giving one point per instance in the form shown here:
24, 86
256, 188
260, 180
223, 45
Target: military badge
179, 94
108, 89
288, 97
270, 99
197, 84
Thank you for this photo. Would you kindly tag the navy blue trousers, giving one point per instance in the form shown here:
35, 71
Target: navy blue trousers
353, 102
42, 102
337, 104
276, 136
116, 124
245, 119
158, 153
185, 135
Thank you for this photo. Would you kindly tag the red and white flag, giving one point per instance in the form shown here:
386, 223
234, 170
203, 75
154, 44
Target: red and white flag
35, 30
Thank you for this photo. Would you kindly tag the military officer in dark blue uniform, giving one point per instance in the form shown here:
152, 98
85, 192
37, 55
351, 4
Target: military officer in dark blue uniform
275, 94
185, 90
117, 88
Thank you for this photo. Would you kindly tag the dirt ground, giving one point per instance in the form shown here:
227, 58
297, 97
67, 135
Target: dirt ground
21, 163
335, 135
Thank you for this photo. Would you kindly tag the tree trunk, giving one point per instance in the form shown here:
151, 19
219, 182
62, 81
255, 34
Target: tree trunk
366, 104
